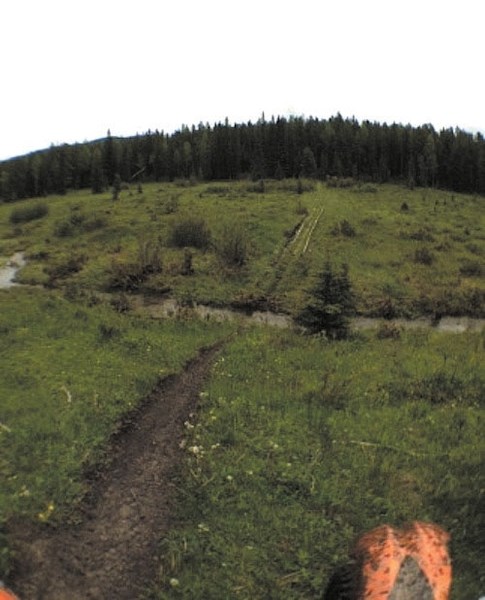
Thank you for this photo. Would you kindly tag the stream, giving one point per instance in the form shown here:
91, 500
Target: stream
169, 307
9, 270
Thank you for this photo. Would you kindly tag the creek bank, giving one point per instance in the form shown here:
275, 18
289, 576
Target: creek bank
9, 271
171, 308
249, 313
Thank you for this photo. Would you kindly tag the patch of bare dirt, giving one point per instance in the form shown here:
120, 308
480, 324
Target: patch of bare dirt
112, 553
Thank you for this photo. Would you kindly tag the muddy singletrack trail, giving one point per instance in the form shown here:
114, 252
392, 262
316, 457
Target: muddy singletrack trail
112, 553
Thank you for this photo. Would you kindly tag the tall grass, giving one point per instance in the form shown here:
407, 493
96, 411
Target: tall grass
302, 445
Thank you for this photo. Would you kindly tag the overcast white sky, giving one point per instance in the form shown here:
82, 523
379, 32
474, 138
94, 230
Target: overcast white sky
72, 69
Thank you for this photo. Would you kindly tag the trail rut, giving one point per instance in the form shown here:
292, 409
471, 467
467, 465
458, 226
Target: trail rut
112, 553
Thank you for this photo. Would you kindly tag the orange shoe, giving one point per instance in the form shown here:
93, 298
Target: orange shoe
396, 564
6, 594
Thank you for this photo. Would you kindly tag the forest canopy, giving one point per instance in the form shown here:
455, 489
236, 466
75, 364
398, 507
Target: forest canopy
281, 147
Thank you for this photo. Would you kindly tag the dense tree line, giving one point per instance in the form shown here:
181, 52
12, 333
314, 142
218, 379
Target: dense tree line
283, 147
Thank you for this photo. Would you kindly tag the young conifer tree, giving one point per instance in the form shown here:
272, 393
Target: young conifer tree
331, 304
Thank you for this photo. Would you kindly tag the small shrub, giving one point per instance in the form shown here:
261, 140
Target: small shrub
367, 189
149, 257
474, 249
423, 256
257, 188
232, 247
130, 275
120, 303
64, 229
340, 182
443, 388
301, 209
24, 214
192, 232
299, 187
170, 205
344, 228
187, 268
471, 268
108, 332
218, 190
96, 222
404, 207
421, 235
64, 269
388, 331
125, 276
444, 246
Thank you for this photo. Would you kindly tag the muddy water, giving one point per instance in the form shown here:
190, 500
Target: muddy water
9, 271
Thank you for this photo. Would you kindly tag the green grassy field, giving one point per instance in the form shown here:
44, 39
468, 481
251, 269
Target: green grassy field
300, 444
70, 371
409, 252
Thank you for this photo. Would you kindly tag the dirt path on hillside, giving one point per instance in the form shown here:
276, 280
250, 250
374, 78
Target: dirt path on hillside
113, 552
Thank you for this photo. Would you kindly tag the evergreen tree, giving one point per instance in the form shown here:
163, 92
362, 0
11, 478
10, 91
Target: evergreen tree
97, 173
111, 159
481, 165
116, 186
279, 173
331, 304
308, 163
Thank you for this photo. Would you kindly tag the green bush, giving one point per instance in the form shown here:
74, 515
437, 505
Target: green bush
130, 275
64, 269
471, 268
192, 232
344, 228
232, 247
24, 214
423, 256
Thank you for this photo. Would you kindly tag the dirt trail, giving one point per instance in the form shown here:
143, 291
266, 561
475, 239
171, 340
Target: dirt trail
113, 552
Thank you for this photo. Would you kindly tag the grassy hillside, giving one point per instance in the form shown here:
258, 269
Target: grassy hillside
409, 252
300, 444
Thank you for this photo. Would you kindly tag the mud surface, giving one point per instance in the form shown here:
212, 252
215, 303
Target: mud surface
112, 553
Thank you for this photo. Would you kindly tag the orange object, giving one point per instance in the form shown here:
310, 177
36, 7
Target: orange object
7, 594
414, 558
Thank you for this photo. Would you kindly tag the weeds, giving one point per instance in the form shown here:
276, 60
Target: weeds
29, 212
